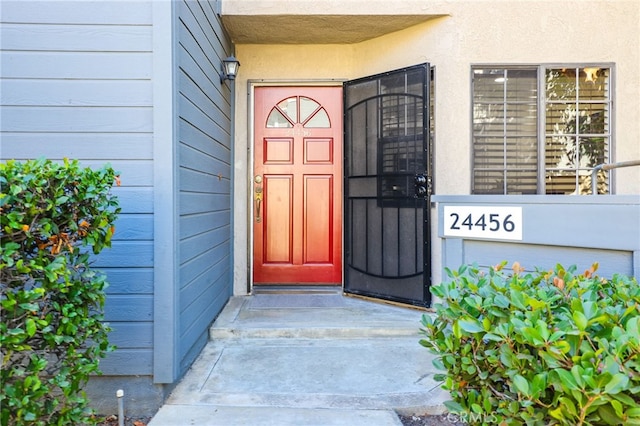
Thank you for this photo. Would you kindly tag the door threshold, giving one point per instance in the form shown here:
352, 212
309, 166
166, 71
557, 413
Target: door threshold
296, 289
389, 302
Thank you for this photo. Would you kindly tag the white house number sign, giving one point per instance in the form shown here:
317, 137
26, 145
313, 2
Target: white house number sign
489, 222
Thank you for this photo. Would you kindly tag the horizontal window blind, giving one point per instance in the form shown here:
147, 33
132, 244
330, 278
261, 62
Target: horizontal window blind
505, 127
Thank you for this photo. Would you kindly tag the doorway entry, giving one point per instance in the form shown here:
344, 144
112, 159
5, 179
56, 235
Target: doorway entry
297, 187
358, 158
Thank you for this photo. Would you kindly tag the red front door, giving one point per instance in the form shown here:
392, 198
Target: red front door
297, 188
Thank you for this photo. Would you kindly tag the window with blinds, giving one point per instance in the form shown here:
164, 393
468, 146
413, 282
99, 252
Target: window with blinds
505, 128
577, 129
514, 154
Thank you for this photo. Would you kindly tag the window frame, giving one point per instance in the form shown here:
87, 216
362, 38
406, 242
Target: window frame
541, 70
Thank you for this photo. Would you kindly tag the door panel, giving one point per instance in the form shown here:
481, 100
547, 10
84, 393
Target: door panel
297, 190
317, 222
386, 148
278, 219
278, 151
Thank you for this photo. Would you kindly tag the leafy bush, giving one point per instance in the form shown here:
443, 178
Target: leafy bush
538, 348
51, 334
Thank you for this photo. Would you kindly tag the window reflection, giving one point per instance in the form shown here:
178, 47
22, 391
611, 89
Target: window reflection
296, 110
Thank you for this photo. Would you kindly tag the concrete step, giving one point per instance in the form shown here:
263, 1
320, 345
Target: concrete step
314, 373
306, 360
183, 415
313, 316
313, 381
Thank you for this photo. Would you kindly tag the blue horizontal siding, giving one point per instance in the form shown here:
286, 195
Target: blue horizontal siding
199, 120
192, 352
204, 176
216, 180
206, 98
210, 161
66, 38
76, 12
191, 269
194, 18
136, 199
128, 362
129, 307
191, 203
84, 145
137, 335
207, 306
193, 246
77, 84
198, 223
192, 290
100, 93
65, 65
77, 119
129, 280
126, 254
197, 139
132, 173
194, 45
194, 337
134, 227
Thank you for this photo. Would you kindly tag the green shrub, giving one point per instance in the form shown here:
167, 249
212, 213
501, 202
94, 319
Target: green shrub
538, 348
51, 334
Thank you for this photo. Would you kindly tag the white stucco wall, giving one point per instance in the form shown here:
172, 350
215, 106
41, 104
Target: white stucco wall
475, 32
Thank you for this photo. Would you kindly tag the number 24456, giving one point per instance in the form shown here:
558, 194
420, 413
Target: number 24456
492, 221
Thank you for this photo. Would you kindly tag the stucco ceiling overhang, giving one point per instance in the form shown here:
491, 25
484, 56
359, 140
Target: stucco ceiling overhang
315, 29
322, 22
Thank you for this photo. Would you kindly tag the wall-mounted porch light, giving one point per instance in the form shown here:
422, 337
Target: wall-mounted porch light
229, 68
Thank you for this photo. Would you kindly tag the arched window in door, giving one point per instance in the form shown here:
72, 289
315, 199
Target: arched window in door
298, 110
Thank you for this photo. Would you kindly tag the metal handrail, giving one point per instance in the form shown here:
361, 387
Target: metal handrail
608, 166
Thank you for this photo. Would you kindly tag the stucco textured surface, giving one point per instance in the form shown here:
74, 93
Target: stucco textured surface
456, 36
312, 29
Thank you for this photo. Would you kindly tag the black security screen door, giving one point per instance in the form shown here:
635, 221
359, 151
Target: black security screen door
387, 184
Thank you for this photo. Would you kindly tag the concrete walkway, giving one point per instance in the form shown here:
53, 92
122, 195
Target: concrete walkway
313, 358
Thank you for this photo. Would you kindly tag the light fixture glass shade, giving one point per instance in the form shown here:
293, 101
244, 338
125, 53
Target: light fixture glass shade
230, 68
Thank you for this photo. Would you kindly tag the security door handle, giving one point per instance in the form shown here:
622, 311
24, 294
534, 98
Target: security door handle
422, 185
